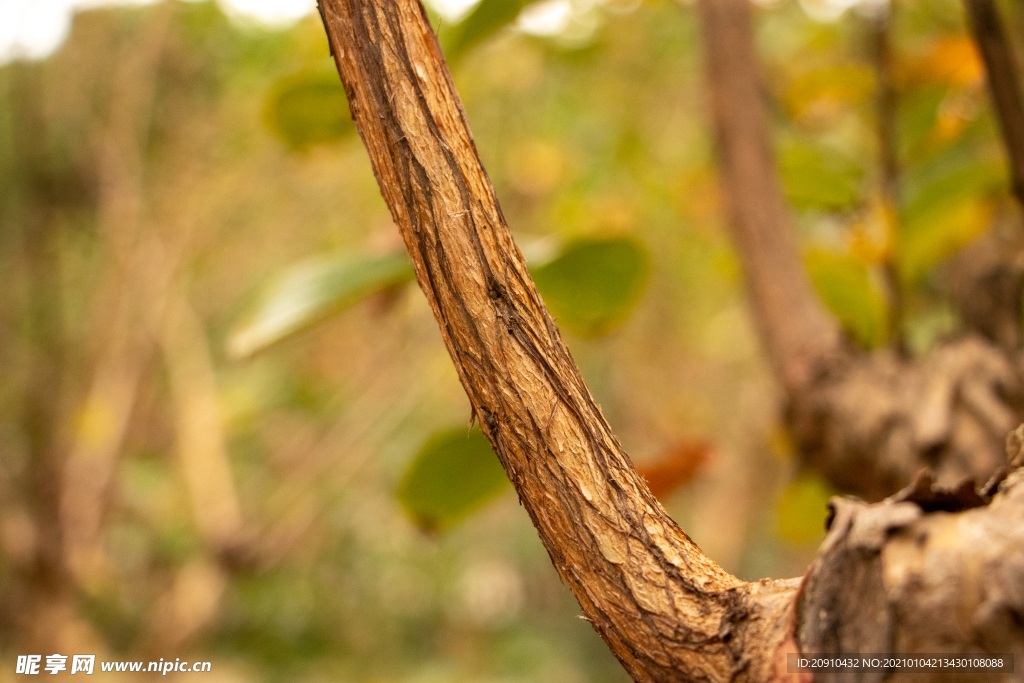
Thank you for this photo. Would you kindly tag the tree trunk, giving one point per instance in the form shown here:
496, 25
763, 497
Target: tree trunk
668, 612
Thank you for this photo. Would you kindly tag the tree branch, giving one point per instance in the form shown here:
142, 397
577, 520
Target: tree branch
797, 330
886, 126
666, 611
1003, 85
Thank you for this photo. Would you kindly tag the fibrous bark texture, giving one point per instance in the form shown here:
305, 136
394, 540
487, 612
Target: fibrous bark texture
871, 422
667, 612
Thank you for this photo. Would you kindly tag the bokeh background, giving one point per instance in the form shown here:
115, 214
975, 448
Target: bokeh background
229, 429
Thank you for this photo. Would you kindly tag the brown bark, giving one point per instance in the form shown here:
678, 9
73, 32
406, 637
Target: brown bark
927, 571
666, 611
1003, 85
798, 333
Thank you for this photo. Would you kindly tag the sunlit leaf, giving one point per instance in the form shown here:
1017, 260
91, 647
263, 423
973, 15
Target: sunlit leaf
486, 19
454, 474
846, 287
801, 511
819, 177
592, 287
309, 108
313, 289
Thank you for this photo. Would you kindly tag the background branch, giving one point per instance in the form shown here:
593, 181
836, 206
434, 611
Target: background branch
1003, 84
886, 125
797, 331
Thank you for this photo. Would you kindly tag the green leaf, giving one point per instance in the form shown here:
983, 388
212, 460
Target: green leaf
454, 474
594, 285
309, 108
846, 288
801, 511
948, 205
311, 290
486, 19
819, 177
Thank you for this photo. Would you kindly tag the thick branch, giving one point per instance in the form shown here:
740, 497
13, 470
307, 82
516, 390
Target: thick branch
1002, 83
798, 332
668, 612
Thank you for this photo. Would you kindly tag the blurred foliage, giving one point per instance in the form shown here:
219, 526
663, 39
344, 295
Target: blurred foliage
798, 512
313, 289
483, 21
816, 177
309, 108
453, 475
847, 288
167, 160
594, 284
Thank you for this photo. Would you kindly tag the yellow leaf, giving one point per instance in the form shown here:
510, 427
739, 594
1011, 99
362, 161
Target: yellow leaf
822, 92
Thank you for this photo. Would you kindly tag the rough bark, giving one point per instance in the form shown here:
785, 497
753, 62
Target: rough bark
930, 570
666, 611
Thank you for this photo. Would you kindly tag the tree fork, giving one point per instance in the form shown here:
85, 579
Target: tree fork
667, 612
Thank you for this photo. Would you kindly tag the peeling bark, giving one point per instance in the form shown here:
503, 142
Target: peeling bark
926, 571
871, 423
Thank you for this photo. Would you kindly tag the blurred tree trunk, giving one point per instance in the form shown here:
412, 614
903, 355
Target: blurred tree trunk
1003, 84
666, 610
989, 278
798, 333
867, 421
